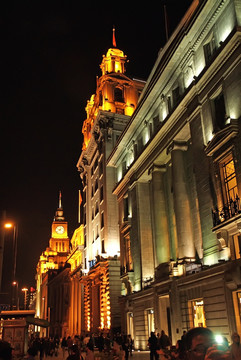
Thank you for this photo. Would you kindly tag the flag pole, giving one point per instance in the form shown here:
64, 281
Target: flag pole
113, 37
166, 22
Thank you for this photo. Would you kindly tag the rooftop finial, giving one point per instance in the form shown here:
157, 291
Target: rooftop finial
113, 37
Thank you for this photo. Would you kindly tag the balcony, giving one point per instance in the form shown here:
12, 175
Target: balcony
228, 211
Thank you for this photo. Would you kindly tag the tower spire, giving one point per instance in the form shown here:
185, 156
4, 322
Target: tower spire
60, 200
59, 214
113, 37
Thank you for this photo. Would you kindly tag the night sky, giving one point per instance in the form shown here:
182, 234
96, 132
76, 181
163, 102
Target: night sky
50, 57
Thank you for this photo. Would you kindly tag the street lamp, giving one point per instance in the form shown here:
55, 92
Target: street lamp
15, 290
14, 227
25, 290
8, 226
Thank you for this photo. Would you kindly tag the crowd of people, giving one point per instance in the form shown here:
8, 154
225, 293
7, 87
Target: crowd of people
82, 347
196, 344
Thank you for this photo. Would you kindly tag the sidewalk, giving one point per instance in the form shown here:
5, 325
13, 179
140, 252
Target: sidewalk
137, 355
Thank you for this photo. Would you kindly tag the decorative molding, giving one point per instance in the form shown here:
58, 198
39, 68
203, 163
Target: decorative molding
177, 145
222, 137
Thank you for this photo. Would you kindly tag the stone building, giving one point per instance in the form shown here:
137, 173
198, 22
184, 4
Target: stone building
108, 112
59, 291
178, 165
51, 262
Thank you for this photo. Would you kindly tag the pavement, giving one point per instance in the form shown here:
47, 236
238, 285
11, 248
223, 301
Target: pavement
137, 355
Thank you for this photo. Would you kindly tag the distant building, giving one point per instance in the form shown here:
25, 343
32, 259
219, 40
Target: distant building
51, 262
108, 113
178, 183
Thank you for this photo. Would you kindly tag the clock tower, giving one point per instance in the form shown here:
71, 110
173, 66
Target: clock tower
59, 236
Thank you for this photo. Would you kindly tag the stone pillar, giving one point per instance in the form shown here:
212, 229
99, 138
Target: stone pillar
161, 234
181, 202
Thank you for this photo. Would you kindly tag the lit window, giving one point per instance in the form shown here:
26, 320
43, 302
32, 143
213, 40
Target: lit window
230, 205
237, 246
150, 321
128, 257
198, 315
229, 179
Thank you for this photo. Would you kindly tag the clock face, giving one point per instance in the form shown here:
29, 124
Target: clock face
59, 229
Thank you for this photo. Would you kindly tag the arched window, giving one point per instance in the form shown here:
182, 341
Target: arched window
118, 94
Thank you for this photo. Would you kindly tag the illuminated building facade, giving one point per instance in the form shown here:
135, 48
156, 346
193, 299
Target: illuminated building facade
178, 183
76, 299
108, 112
51, 262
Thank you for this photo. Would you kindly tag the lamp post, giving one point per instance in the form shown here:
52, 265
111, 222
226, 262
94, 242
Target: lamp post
14, 227
15, 291
9, 225
25, 290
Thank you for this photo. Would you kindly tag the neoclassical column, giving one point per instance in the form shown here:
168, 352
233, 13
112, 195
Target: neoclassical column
161, 234
186, 247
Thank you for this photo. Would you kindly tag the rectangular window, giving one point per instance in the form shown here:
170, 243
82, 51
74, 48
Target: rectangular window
128, 257
126, 209
156, 122
237, 309
169, 105
198, 314
97, 231
100, 168
176, 95
103, 246
135, 151
101, 193
209, 49
237, 246
229, 180
150, 321
102, 220
229, 204
219, 112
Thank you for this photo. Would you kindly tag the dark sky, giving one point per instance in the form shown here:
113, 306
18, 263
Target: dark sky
50, 56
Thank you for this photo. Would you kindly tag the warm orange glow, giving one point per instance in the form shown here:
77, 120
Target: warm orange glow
24, 289
8, 225
112, 66
77, 241
114, 61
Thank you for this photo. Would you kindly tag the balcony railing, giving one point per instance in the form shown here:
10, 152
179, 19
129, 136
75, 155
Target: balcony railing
228, 211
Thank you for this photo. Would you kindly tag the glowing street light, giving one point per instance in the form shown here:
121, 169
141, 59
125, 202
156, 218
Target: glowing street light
15, 289
8, 226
